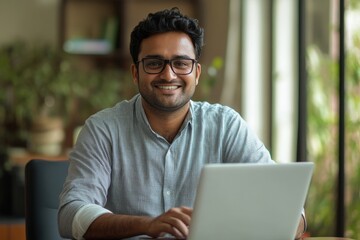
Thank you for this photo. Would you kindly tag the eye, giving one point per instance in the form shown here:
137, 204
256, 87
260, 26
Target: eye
181, 63
153, 63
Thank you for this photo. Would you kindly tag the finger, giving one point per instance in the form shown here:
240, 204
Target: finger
179, 227
166, 228
175, 222
188, 211
183, 213
178, 234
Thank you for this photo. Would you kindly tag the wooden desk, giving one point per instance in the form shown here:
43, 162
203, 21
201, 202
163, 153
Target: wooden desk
307, 238
22, 158
326, 238
12, 229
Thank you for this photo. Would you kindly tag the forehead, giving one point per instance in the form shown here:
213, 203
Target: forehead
167, 45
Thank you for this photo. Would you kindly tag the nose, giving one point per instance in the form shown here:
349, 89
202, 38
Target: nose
167, 73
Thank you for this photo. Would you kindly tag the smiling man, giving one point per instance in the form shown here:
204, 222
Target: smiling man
166, 74
135, 166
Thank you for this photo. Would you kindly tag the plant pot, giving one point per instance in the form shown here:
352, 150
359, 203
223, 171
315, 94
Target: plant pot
46, 136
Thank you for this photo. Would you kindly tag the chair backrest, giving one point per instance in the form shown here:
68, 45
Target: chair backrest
43, 183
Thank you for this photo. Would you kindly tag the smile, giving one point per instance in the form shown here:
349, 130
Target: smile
168, 87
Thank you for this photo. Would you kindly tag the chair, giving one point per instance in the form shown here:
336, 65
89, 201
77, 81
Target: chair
43, 183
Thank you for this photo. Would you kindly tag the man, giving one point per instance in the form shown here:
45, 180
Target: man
135, 167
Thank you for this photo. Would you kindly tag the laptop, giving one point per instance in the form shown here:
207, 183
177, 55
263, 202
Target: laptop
250, 201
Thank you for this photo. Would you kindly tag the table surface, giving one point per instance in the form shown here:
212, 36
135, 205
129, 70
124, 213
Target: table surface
307, 238
325, 238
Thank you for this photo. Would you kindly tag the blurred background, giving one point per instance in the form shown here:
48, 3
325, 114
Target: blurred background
291, 68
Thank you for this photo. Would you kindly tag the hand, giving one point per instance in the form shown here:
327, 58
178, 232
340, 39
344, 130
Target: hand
175, 221
301, 227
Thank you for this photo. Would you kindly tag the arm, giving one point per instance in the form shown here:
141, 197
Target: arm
114, 226
239, 143
301, 228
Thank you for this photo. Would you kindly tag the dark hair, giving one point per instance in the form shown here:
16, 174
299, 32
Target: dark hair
168, 20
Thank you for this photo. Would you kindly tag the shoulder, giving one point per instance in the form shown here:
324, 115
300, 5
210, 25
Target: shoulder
217, 111
120, 112
120, 109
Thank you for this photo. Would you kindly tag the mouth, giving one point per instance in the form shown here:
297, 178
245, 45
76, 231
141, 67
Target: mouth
172, 87
167, 88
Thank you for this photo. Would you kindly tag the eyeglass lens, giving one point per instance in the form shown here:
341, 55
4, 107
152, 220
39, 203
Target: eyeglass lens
157, 65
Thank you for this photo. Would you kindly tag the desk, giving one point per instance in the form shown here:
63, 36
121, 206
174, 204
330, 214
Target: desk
307, 238
12, 228
21, 157
326, 238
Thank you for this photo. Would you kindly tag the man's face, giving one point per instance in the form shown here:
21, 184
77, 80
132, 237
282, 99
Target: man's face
166, 91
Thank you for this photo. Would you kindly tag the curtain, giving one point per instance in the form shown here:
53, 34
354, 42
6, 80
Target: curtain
261, 71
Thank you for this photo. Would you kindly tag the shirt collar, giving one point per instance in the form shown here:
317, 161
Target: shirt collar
140, 112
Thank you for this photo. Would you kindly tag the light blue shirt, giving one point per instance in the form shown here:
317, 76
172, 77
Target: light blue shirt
120, 163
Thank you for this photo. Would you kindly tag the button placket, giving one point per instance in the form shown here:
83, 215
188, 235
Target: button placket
168, 181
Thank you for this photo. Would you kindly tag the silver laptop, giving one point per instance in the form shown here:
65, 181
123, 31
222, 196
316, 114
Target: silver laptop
250, 201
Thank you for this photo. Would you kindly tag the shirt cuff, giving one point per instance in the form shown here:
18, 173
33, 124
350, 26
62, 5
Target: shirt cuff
84, 217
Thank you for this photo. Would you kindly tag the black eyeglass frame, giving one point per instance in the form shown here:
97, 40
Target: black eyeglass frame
167, 61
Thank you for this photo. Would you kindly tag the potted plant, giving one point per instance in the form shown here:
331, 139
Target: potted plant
43, 93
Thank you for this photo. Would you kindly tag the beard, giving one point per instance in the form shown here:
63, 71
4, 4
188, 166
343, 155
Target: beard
171, 102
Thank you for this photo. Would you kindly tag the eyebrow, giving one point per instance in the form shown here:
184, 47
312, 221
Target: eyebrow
174, 57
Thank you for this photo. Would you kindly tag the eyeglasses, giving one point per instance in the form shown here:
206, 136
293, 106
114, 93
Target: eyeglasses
180, 66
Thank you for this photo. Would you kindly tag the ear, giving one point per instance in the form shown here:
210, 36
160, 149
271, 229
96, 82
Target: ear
135, 73
198, 73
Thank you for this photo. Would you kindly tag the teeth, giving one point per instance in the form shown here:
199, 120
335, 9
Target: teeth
168, 87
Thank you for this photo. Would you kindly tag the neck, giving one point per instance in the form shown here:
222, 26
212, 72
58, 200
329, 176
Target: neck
166, 124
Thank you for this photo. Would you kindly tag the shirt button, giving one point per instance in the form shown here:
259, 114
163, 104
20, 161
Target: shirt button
168, 193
